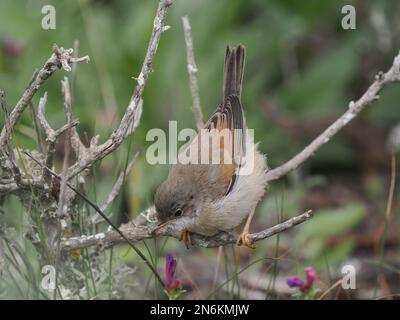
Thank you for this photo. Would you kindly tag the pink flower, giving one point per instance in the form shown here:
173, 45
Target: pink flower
311, 275
303, 285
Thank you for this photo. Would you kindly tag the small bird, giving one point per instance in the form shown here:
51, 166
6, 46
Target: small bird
207, 198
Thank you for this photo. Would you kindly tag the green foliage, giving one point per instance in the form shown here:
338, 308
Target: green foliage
327, 224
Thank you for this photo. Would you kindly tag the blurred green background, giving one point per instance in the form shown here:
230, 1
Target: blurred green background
302, 70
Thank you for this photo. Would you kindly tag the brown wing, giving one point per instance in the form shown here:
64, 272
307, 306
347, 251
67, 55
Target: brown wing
228, 119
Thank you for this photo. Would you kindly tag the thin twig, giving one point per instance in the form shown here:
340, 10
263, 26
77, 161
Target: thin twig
97, 153
51, 135
192, 71
35, 119
372, 94
137, 233
76, 142
115, 191
16, 173
61, 58
36, 126
62, 207
66, 91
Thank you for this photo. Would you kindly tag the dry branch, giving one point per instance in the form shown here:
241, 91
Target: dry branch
61, 58
192, 71
115, 191
51, 135
15, 171
372, 94
136, 233
96, 153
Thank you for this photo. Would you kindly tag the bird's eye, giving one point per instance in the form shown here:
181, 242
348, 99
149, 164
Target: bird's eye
178, 213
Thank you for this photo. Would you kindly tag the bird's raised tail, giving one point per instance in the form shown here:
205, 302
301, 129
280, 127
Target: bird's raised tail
233, 71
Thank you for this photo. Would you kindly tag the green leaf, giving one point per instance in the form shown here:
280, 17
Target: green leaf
335, 255
323, 84
329, 222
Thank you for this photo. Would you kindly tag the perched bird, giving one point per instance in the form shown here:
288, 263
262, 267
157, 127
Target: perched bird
206, 198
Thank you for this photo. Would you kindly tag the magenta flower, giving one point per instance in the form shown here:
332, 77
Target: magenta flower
311, 275
303, 285
170, 269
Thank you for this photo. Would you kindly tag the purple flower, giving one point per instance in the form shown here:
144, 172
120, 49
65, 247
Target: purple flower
295, 282
170, 269
303, 285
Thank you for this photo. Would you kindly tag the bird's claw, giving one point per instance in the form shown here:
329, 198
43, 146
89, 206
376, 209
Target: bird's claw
186, 238
244, 240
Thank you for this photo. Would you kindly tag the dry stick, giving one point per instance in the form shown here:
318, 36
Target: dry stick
59, 59
96, 153
51, 135
137, 233
324, 294
137, 230
74, 69
76, 143
118, 184
34, 118
63, 184
115, 190
372, 94
192, 70
116, 229
66, 91
36, 126
8, 131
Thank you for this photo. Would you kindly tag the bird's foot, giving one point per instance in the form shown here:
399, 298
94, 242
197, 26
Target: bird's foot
243, 240
186, 238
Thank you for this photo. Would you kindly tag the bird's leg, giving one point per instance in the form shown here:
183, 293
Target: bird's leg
243, 238
185, 236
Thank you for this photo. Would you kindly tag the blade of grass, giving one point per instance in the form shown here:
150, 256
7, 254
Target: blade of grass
387, 218
231, 278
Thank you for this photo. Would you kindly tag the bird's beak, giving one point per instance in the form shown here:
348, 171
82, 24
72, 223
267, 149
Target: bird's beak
159, 227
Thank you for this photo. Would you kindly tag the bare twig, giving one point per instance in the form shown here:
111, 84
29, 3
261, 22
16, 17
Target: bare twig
66, 91
372, 94
192, 71
115, 191
59, 59
51, 135
137, 233
118, 184
34, 117
98, 152
62, 206
16, 173
36, 126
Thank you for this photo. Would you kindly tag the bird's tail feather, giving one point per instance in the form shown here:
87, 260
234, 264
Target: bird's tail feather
233, 71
